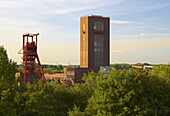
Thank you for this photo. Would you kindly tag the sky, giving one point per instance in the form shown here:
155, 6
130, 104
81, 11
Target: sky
139, 29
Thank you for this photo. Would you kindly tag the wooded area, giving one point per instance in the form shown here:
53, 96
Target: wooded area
126, 92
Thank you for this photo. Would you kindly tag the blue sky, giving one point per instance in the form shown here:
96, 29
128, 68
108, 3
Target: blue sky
140, 30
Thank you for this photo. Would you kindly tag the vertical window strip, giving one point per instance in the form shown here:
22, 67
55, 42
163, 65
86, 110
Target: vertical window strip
84, 49
99, 50
84, 27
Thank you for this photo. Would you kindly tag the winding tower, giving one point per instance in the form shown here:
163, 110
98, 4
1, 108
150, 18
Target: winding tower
31, 63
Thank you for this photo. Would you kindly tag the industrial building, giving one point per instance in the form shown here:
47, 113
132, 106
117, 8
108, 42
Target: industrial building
94, 41
94, 49
94, 52
31, 62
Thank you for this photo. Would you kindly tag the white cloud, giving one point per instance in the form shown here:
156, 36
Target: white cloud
120, 22
16, 25
140, 50
117, 51
159, 34
145, 34
55, 6
136, 6
151, 7
125, 45
68, 10
142, 34
161, 29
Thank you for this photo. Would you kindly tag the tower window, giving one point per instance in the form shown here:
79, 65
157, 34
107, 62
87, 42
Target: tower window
84, 27
84, 51
98, 26
99, 50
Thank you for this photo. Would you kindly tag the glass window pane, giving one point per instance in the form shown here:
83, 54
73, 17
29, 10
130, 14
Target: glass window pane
99, 50
99, 26
84, 48
84, 27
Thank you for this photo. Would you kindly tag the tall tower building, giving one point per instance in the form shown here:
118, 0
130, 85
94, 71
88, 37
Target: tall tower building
94, 41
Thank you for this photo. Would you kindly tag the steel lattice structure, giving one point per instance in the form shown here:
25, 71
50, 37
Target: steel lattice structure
32, 69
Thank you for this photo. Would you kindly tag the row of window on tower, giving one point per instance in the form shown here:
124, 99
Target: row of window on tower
98, 45
98, 26
98, 50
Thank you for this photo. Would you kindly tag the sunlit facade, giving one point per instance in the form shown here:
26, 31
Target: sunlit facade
94, 41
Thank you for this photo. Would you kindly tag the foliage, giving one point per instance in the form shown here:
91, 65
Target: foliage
127, 92
19, 69
51, 69
121, 66
7, 71
76, 112
122, 92
130, 92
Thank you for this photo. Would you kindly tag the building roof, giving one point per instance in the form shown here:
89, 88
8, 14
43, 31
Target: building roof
30, 34
99, 16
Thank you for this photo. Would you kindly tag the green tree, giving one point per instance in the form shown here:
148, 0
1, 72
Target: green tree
121, 66
7, 71
129, 92
75, 112
60, 67
126, 92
